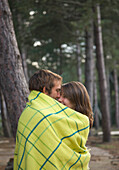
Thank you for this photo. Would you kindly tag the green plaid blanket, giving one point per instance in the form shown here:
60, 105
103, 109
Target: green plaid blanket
51, 136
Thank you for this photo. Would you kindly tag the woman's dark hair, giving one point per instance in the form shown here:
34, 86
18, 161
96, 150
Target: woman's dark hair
78, 96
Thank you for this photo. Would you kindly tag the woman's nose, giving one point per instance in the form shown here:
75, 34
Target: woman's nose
60, 99
58, 95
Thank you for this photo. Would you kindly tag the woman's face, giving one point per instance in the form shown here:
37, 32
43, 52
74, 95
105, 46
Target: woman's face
66, 102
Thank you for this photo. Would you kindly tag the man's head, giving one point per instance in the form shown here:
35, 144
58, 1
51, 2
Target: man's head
47, 82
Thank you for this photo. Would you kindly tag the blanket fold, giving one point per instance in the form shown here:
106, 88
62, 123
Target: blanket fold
51, 136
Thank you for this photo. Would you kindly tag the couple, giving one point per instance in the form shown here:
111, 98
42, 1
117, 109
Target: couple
53, 128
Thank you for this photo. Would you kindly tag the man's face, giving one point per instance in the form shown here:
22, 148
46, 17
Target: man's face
55, 92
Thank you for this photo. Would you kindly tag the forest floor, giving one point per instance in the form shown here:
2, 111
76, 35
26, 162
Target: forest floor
104, 156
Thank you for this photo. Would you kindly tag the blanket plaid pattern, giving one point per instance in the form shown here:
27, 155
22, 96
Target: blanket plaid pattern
51, 136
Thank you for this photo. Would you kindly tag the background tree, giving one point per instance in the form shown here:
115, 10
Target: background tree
12, 80
116, 96
5, 119
102, 77
89, 65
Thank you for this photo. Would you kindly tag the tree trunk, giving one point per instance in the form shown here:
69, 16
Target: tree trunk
61, 61
89, 65
102, 78
96, 118
23, 55
79, 71
108, 88
12, 79
22, 45
5, 121
78, 57
116, 97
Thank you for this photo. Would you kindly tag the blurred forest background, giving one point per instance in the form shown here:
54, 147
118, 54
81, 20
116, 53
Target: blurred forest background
78, 39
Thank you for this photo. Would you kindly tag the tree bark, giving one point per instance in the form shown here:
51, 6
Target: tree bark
108, 88
61, 61
89, 65
22, 45
24, 64
79, 71
5, 121
96, 118
116, 97
12, 79
78, 57
102, 78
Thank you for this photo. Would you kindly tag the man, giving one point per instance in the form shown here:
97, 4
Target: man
48, 132
47, 82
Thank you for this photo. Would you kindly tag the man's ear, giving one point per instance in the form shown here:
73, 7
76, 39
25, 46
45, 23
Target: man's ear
44, 90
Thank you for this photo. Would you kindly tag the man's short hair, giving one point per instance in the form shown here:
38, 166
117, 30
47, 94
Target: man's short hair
43, 78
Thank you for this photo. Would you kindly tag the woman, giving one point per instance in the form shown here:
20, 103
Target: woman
75, 96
